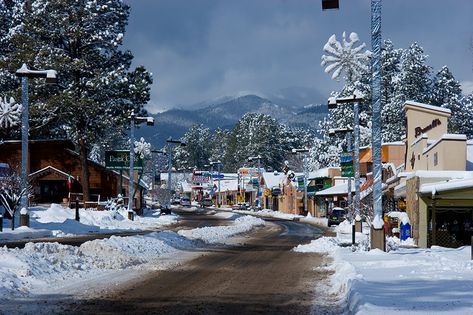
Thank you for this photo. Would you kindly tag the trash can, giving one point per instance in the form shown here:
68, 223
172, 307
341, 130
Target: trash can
405, 231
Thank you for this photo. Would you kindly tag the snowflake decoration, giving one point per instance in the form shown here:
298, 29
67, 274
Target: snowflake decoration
345, 57
142, 148
10, 113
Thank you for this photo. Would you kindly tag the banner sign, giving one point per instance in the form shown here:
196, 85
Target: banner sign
346, 163
120, 160
300, 182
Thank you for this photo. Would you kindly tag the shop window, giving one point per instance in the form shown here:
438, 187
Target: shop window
436, 158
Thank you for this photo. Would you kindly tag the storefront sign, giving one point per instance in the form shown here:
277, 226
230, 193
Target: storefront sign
120, 160
419, 130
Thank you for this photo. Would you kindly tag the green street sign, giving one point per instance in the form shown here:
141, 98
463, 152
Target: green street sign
120, 160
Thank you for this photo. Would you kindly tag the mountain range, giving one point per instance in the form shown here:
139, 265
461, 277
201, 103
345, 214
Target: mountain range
225, 112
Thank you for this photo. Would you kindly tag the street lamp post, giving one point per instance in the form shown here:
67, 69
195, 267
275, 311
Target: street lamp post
134, 119
218, 163
24, 73
306, 175
258, 158
154, 167
347, 132
171, 142
356, 98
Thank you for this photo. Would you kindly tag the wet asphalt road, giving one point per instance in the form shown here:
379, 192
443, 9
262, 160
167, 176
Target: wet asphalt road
260, 276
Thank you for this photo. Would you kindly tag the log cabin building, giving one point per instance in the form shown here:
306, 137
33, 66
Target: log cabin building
55, 173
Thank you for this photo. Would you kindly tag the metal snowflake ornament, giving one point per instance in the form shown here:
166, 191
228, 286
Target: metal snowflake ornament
142, 148
10, 113
345, 57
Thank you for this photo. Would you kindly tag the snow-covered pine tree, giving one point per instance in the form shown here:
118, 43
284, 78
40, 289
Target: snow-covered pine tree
80, 39
412, 83
391, 67
446, 92
197, 150
255, 134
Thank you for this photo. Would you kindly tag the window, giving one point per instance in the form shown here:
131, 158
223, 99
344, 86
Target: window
436, 158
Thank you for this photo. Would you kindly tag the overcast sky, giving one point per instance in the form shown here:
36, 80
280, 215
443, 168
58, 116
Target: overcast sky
200, 50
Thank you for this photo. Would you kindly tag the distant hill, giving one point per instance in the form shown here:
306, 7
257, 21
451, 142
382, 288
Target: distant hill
225, 113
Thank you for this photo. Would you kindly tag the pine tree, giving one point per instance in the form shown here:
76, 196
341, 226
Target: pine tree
198, 147
448, 94
80, 39
412, 83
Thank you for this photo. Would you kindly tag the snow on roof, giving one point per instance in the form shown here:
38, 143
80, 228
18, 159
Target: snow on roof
426, 106
272, 179
394, 143
422, 136
335, 190
186, 187
323, 172
447, 136
440, 174
444, 186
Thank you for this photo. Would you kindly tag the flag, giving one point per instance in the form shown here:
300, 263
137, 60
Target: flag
69, 183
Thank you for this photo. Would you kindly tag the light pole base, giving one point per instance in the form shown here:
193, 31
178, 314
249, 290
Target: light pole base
358, 226
378, 239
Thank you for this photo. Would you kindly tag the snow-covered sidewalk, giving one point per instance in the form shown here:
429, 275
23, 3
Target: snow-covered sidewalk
402, 281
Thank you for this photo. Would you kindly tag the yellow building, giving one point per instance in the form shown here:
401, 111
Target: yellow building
436, 186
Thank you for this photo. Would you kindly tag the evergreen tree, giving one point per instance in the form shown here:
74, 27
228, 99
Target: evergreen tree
80, 39
412, 83
448, 94
197, 151
391, 68
256, 134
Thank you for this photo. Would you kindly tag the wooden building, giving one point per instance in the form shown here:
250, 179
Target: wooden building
54, 172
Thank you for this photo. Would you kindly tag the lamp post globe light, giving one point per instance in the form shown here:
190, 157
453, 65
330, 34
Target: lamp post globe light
258, 192
24, 73
134, 119
306, 175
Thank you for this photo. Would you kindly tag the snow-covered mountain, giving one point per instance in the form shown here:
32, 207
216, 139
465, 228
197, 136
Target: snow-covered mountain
225, 113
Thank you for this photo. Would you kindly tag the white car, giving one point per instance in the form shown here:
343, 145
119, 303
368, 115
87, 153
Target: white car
186, 202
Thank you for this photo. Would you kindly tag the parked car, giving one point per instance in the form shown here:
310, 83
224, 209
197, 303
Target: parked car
206, 202
336, 216
241, 206
186, 202
166, 209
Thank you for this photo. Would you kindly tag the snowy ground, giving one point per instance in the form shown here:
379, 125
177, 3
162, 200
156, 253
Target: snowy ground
405, 280
267, 213
52, 268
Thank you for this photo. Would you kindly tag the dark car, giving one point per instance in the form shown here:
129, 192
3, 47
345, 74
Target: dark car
336, 216
206, 202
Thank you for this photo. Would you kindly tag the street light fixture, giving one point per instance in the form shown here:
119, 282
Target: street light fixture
24, 73
377, 237
134, 119
171, 142
218, 163
252, 158
347, 132
306, 175
355, 98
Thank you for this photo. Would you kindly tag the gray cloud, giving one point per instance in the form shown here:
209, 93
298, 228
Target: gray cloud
199, 50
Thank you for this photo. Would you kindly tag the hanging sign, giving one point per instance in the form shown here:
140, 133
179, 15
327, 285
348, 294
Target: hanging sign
120, 160
346, 163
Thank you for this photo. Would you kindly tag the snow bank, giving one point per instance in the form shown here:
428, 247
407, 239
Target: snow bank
215, 234
403, 280
60, 221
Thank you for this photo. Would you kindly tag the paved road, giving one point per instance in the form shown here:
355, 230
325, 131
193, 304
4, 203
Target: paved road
263, 276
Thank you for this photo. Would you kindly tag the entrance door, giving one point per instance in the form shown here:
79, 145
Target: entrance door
53, 190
